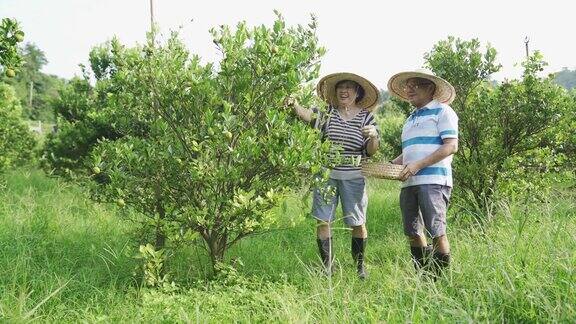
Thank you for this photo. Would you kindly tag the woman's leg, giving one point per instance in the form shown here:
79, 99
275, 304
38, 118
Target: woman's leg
359, 238
354, 204
323, 209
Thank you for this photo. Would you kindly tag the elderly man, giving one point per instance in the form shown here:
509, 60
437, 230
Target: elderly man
429, 139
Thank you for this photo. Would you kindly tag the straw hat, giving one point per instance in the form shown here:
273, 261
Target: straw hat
444, 93
326, 89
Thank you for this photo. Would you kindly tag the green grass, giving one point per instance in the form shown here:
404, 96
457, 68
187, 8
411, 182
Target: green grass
66, 259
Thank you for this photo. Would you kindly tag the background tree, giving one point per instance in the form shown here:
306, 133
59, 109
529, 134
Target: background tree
84, 117
566, 78
10, 35
16, 140
501, 127
35, 89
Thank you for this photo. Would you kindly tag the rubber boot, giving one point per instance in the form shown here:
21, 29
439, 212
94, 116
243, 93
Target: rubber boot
358, 247
421, 256
327, 254
441, 262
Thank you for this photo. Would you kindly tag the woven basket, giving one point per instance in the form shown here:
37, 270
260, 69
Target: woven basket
382, 170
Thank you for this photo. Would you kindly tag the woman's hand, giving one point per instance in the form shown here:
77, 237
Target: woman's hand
369, 131
304, 114
290, 102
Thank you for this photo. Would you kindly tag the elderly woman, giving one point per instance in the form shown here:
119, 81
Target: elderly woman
350, 126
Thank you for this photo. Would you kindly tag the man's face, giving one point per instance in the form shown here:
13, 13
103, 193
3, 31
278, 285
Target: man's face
419, 91
346, 92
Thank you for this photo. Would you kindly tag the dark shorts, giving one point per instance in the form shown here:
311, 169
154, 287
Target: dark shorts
425, 206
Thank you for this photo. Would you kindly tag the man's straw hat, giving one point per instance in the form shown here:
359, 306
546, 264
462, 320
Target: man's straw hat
444, 93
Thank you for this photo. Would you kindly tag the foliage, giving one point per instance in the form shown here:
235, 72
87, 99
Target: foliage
562, 139
390, 118
502, 128
154, 266
566, 78
207, 149
10, 35
36, 90
56, 238
83, 119
16, 140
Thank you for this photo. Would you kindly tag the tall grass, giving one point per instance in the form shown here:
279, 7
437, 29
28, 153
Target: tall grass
64, 258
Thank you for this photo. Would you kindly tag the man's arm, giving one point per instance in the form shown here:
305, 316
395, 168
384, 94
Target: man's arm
398, 160
449, 147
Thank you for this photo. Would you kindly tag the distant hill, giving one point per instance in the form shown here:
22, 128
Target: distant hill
566, 78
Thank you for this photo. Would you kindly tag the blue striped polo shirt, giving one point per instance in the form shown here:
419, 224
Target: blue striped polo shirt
423, 133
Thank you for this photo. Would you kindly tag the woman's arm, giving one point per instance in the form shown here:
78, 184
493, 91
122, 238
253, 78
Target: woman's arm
373, 145
304, 114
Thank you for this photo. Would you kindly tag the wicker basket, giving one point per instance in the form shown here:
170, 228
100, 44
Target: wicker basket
382, 170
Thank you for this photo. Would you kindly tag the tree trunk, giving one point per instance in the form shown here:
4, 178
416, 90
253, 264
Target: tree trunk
160, 241
217, 248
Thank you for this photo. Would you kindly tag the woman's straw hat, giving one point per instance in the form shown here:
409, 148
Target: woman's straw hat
444, 93
326, 89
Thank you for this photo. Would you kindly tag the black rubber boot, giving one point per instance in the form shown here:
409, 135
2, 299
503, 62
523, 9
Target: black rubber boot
327, 254
358, 247
421, 257
440, 263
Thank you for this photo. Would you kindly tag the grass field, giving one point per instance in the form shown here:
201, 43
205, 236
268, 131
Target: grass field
64, 258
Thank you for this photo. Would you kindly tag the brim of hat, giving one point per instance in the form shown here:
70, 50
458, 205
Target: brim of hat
444, 93
326, 89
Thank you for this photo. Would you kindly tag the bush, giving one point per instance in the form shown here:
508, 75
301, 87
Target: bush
510, 133
204, 149
16, 140
502, 127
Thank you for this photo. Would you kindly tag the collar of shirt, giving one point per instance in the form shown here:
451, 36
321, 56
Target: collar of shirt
416, 112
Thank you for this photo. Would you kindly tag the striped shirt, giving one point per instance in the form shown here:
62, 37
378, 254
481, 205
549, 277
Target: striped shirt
346, 138
423, 133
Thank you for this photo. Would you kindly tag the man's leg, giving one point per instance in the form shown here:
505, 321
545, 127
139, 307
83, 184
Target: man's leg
434, 205
413, 226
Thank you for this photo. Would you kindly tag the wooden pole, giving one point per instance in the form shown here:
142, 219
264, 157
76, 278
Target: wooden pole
152, 15
30, 94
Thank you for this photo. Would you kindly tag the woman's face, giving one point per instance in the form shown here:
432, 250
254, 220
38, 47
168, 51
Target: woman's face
346, 93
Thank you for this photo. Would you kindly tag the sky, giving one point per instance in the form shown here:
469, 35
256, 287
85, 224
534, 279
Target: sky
375, 39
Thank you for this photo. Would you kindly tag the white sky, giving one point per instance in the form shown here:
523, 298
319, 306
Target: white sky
372, 38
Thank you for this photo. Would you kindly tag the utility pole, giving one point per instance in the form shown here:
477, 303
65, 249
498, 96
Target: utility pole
526, 41
152, 15
30, 93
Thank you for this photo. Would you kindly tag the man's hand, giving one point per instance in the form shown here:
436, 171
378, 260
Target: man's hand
409, 170
369, 131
